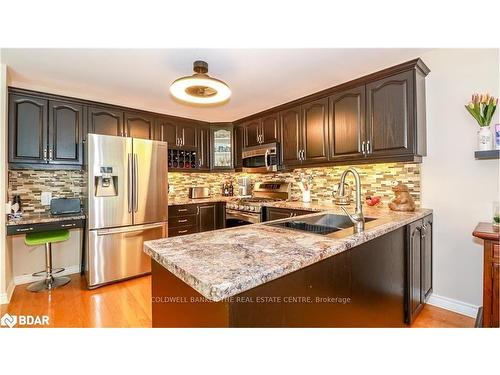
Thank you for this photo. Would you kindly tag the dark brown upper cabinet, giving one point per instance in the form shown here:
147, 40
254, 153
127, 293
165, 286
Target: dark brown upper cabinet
28, 129
139, 125
105, 121
270, 128
188, 134
66, 129
291, 130
315, 131
204, 148
262, 130
390, 116
166, 131
252, 133
239, 140
347, 124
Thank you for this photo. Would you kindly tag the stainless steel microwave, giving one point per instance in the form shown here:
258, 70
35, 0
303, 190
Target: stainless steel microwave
261, 159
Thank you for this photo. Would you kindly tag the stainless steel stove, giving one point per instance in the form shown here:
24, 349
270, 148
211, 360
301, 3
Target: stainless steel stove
242, 211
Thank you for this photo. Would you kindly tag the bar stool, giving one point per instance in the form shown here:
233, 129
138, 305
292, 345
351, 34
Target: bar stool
47, 238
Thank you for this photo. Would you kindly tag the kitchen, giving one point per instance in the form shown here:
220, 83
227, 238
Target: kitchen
314, 165
137, 193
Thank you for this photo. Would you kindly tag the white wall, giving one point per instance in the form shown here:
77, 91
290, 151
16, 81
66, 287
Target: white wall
459, 188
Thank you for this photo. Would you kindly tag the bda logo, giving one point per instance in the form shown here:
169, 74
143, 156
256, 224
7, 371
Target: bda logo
8, 320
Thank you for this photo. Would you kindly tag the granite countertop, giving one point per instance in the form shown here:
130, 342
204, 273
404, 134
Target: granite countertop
44, 217
220, 264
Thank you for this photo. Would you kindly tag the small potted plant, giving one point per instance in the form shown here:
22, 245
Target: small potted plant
482, 108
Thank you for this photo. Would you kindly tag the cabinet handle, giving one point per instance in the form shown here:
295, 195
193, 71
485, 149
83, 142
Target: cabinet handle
182, 231
50, 154
44, 154
182, 210
182, 220
363, 149
67, 225
368, 147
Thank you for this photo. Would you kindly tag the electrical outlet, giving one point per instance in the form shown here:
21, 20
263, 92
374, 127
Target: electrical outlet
46, 197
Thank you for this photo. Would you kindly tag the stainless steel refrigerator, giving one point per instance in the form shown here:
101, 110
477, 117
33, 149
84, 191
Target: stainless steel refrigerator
127, 204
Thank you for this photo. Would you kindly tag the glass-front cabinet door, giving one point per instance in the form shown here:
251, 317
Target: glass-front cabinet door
222, 147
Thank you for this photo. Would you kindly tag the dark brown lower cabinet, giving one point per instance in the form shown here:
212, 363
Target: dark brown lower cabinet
419, 266
194, 218
274, 213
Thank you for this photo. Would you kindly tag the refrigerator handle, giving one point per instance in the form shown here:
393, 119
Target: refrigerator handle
136, 185
130, 175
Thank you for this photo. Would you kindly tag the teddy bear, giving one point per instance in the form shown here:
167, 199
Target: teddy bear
403, 201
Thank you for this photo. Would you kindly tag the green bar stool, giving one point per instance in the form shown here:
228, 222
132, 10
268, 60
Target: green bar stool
47, 239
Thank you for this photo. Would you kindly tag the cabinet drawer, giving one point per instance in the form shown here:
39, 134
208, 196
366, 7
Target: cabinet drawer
182, 210
180, 231
182, 221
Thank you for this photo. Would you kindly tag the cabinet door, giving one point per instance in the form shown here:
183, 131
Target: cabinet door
347, 124
252, 133
315, 131
495, 294
389, 115
105, 121
221, 148
207, 217
290, 138
270, 128
138, 125
65, 133
239, 139
166, 131
204, 148
27, 129
414, 270
283, 213
426, 258
188, 134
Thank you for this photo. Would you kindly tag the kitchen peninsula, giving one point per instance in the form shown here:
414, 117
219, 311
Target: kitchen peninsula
220, 278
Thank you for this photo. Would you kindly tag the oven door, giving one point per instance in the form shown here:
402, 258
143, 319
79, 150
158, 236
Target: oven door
261, 159
235, 218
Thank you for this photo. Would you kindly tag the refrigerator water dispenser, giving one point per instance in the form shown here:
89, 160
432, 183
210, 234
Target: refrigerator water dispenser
106, 185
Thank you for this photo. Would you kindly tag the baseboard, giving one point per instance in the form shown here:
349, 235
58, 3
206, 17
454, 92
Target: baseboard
454, 305
5, 297
25, 279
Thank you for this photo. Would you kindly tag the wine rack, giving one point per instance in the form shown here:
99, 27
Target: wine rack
182, 159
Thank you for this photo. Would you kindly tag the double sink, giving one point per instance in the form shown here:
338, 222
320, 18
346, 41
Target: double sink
322, 224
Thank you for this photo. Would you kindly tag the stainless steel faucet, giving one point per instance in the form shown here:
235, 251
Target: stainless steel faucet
357, 218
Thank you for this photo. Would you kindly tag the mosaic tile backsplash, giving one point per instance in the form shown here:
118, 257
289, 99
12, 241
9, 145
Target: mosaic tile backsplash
29, 185
376, 179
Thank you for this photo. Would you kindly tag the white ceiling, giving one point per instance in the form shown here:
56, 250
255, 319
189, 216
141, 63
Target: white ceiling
140, 78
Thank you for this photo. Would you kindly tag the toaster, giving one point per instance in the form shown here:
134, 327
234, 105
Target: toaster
198, 192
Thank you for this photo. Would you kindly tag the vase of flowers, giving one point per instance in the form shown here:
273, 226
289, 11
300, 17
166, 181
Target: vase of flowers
482, 108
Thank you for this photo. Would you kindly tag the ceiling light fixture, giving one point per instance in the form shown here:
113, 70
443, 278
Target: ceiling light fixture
200, 88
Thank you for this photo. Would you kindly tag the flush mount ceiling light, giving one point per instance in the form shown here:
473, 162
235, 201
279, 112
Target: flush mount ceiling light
200, 88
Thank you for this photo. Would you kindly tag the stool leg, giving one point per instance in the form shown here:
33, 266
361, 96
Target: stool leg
48, 265
50, 281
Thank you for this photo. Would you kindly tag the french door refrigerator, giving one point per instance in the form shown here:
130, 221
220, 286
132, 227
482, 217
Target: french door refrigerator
127, 204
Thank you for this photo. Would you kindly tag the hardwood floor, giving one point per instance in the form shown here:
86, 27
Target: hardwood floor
128, 304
